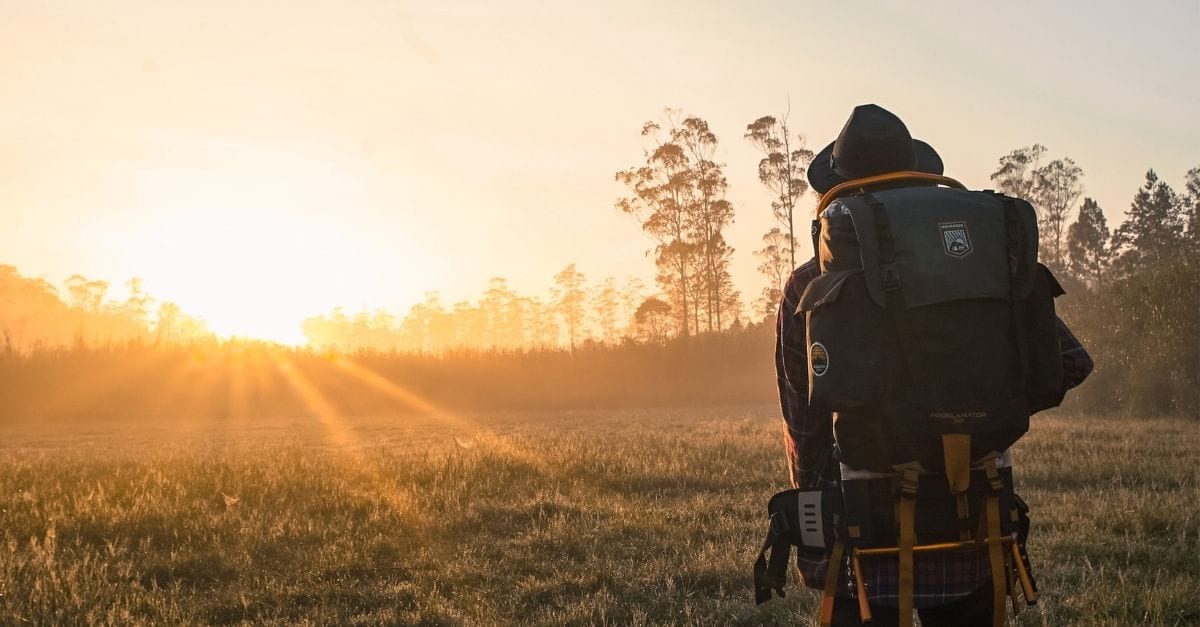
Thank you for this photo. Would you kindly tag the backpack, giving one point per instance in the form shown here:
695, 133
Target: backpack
932, 338
931, 318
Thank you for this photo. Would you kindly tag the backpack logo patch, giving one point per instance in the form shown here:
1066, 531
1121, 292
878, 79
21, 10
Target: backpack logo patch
956, 241
818, 359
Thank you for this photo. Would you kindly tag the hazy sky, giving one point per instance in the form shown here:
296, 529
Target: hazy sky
284, 157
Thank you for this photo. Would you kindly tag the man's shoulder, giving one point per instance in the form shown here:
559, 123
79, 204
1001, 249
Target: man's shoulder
801, 277
805, 272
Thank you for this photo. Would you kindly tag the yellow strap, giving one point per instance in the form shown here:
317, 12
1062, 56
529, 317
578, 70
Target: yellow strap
831, 579
995, 555
956, 451
908, 509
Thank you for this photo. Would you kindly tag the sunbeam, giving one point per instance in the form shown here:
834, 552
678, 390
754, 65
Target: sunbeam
492, 441
345, 442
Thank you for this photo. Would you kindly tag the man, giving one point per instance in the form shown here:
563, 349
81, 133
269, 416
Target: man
952, 588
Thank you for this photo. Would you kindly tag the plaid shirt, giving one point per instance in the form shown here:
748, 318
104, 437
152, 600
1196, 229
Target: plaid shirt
939, 578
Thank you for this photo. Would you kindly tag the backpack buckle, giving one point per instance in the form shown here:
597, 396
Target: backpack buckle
910, 479
995, 483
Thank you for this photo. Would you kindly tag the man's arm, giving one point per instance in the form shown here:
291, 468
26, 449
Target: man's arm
809, 434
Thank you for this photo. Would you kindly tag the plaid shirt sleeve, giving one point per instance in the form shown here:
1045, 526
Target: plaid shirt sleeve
809, 435
939, 578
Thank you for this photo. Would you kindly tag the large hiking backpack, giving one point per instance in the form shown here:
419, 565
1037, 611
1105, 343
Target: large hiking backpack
931, 338
931, 317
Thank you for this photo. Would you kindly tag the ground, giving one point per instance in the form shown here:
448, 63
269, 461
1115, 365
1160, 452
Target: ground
590, 517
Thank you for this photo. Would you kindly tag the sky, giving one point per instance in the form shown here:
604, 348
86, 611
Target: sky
261, 161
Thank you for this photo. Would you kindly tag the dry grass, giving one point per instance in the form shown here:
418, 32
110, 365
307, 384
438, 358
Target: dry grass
619, 517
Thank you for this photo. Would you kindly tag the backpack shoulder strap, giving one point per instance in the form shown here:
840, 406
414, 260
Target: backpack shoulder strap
864, 213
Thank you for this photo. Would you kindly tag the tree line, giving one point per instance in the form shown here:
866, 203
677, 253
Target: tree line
1133, 290
36, 315
576, 313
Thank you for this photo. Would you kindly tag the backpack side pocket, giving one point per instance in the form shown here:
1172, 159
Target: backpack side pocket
845, 341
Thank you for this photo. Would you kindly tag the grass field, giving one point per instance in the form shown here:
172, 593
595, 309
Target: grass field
618, 517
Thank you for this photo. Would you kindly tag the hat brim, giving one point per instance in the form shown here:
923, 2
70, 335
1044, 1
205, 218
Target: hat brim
822, 177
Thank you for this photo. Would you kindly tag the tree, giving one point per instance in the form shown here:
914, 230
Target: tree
730, 299
543, 327
428, 327
782, 169
776, 266
33, 312
711, 214
136, 308
1153, 230
569, 300
86, 295
320, 331
1191, 205
173, 326
505, 319
440, 327
168, 315
1058, 189
660, 189
632, 295
678, 195
651, 320
1015, 175
1052, 189
1088, 248
607, 305
470, 325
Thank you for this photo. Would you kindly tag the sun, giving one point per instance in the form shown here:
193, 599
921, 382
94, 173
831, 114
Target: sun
254, 273
253, 239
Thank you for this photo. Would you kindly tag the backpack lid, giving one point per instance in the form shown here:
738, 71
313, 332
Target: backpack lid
949, 244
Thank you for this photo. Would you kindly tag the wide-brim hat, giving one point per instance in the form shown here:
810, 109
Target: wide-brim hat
873, 141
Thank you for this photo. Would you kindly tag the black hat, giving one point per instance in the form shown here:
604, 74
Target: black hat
873, 141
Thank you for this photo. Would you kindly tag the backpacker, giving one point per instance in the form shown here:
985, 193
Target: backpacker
932, 338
